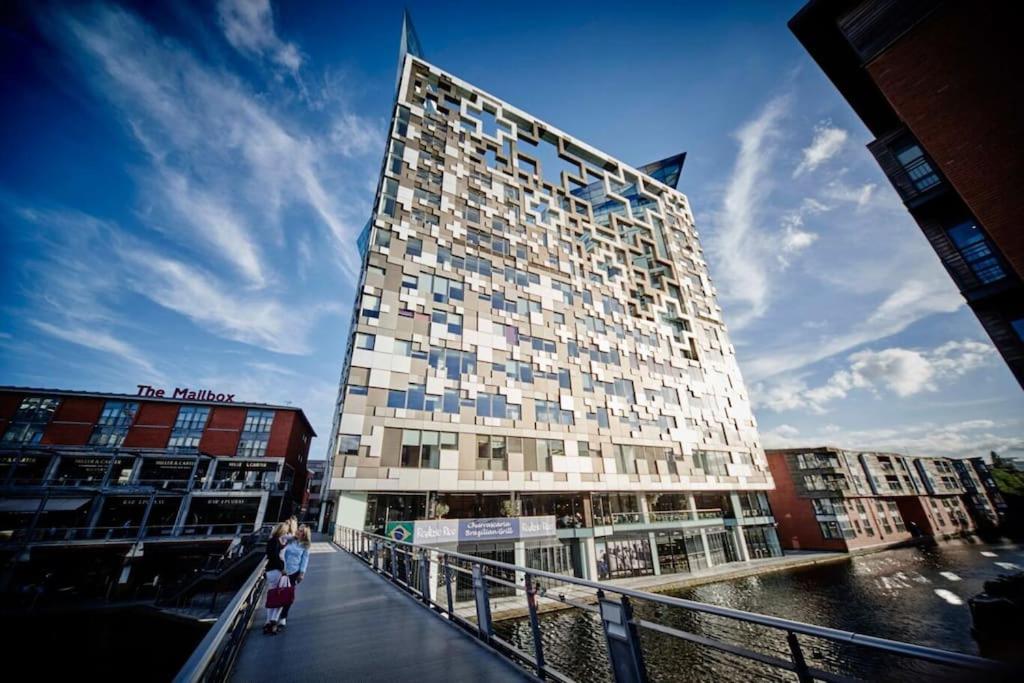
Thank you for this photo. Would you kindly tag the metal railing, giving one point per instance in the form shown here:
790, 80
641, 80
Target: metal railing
215, 655
432, 575
685, 515
42, 534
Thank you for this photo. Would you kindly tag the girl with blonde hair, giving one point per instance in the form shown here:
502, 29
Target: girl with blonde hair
296, 559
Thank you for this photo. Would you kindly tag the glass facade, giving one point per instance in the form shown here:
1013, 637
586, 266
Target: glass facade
188, 427
112, 427
30, 421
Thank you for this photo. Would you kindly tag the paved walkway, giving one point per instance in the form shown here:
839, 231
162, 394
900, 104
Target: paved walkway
348, 624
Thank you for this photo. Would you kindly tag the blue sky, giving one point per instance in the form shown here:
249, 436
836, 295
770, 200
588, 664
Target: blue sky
181, 187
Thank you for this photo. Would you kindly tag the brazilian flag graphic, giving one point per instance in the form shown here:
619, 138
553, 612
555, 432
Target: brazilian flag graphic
399, 531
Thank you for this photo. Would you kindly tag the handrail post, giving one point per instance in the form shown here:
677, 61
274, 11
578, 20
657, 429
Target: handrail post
425, 576
448, 585
803, 674
407, 565
624, 651
538, 646
483, 603
376, 555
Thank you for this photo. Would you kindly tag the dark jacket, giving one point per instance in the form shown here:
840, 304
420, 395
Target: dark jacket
274, 560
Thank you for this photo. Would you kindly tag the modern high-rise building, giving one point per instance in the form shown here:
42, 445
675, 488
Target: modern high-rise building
538, 370
937, 83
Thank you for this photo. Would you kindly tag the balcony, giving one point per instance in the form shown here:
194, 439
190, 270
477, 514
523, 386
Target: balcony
914, 176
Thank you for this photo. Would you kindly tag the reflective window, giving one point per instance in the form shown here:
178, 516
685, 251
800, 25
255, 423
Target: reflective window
112, 427
188, 427
30, 421
977, 251
918, 169
491, 453
348, 444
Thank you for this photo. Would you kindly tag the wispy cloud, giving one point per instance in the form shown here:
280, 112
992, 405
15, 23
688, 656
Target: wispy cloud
911, 301
99, 340
354, 135
828, 141
249, 27
224, 165
860, 196
738, 244
211, 304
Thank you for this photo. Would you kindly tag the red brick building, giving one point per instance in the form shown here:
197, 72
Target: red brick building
823, 501
827, 498
149, 423
938, 85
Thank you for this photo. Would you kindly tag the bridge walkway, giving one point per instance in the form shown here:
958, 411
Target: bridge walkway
348, 624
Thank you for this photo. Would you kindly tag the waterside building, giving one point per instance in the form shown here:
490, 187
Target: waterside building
536, 338
827, 498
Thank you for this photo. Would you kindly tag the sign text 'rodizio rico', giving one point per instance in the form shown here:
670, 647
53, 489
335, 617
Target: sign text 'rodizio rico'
185, 393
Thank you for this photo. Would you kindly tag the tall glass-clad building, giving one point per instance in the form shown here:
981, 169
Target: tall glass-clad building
536, 341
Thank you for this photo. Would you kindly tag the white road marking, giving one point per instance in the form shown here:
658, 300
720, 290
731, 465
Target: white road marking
949, 576
1007, 565
949, 596
986, 553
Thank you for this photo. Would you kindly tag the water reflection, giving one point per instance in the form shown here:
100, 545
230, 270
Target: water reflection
916, 595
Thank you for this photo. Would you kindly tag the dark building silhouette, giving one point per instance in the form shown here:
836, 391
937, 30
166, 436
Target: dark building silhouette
938, 84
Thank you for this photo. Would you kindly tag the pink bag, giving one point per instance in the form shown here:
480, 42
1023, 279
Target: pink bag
281, 595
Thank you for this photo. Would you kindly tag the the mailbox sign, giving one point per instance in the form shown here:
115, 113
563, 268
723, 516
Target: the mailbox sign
185, 393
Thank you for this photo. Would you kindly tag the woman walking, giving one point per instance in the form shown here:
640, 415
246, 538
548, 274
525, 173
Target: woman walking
296, 559
279, 538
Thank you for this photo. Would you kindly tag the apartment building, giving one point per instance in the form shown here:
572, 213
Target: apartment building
536, 338
935, 83
826, 498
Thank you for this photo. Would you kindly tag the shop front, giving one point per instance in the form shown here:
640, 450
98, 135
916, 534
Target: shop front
623, 556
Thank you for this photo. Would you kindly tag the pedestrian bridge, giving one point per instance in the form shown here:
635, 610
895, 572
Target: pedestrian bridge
375, 609
346, 625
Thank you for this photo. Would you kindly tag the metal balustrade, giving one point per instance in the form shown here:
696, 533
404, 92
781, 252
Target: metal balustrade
122, 533
432, 576
216, 653
685, 515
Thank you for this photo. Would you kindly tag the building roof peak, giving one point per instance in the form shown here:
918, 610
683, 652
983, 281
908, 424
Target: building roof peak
409, 45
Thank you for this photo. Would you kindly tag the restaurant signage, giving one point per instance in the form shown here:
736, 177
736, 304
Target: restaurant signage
186, 393
434, 531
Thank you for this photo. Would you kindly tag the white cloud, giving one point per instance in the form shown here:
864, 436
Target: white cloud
786, 431
224, 164
249, 27
88, 268
99, 340
353, 135
827, 142
898, 371
861, 196
213, 305
742, 252
910, 302
953, 439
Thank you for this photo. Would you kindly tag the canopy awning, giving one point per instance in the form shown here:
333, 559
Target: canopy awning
66, 504
19, 504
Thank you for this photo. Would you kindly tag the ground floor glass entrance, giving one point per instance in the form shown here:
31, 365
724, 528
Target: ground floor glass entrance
680, 551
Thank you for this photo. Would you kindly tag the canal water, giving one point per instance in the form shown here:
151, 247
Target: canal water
917, 595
